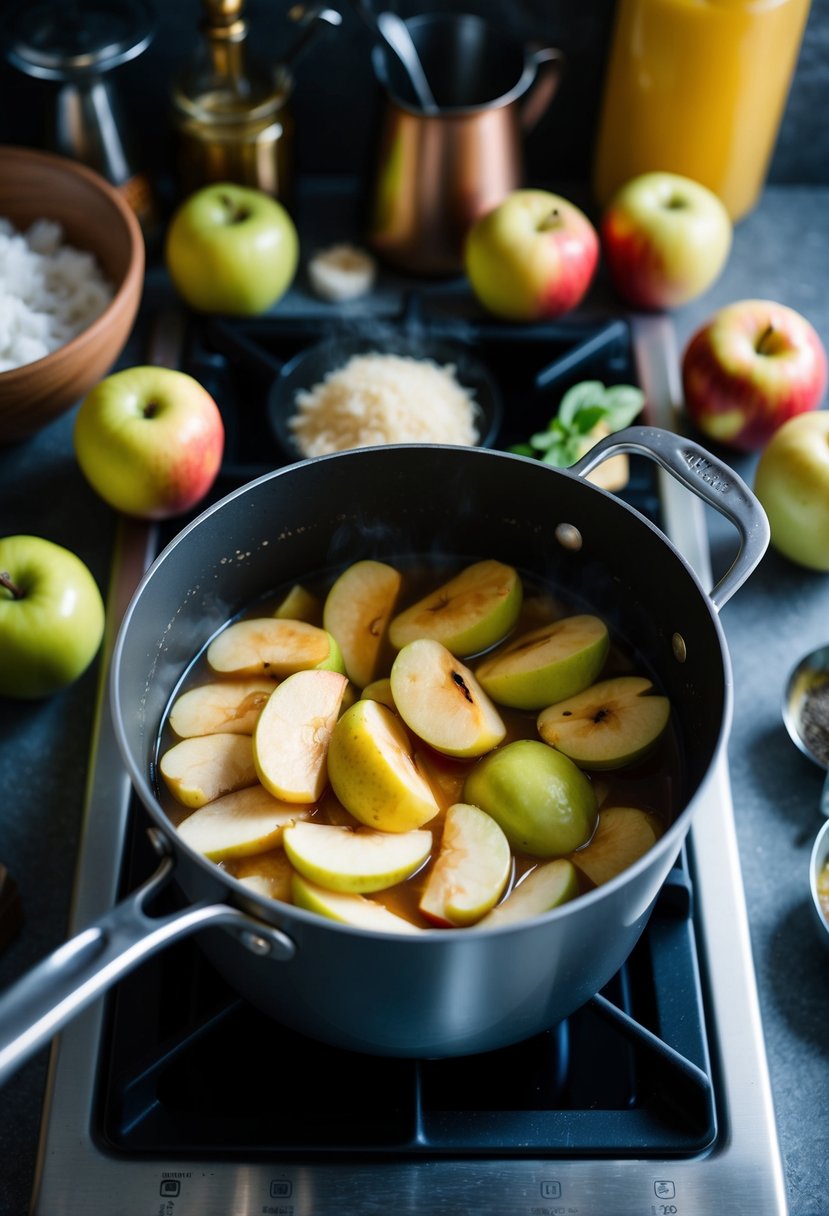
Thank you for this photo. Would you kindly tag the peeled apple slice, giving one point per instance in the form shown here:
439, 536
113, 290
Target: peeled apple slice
361, 861
467, 614
611, 724
290, 743
546, 664
341, 272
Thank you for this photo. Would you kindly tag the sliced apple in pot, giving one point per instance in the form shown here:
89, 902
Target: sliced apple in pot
290, 743
267, 874
546, 664
468, 614
373, 771
357, 612
222, 705
624, 834
611, 724
355, 910
544, 888
273, 646
361, 861
203, 768
442, 702
379, 690
299, 604
245, 821
471, 870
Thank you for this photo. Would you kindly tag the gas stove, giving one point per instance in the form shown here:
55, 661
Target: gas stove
174, 1097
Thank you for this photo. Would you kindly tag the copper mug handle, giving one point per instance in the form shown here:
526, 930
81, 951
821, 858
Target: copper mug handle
547, 62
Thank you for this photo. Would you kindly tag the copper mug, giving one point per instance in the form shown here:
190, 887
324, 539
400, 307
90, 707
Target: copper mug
436, 173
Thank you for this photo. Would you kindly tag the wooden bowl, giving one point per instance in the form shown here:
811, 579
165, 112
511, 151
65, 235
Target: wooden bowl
94, 217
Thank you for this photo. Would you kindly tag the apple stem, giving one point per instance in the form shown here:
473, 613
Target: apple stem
764, 342
550, 221
6, 581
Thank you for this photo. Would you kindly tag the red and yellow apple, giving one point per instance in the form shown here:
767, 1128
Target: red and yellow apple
792, 483
665, 239
750, 367
532, 257
231, 249
149, 440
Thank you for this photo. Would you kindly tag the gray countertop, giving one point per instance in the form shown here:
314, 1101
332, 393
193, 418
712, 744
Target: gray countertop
780, 252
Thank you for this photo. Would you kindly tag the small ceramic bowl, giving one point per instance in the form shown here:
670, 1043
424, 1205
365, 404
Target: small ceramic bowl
818, 862
93, 215
807, 679
313, 364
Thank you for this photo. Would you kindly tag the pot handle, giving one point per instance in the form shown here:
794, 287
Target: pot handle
70, 978
549, 62
714, 482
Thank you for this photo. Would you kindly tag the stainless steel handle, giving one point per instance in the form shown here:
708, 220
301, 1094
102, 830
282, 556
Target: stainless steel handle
69, 979
707, 477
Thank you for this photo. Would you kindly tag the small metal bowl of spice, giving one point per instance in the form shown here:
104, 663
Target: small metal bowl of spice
806, 712
819, 879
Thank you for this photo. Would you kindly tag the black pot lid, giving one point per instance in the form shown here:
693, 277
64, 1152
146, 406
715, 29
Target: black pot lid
59, 40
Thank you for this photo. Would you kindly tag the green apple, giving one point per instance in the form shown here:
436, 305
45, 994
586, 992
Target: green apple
441, 701
531, 257
665, 239
246, 821
471, 870
542, 800
374, 772
357, 612
354, 910
547, 886
622, 836
149, 440
546, 664
361, 861
292, 733
468, 614
792, 483
51, 617
609, 725
231, 249
273, 646
222, 705
198, 770
300, 604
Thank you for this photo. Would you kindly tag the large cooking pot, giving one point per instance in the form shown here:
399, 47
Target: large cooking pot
442, 992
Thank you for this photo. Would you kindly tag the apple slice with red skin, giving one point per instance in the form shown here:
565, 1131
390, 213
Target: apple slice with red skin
245, 821
441, 701
205, 767
611, 724
357, 612
273, 646
290, 742
354, 910
546, 664
471, 870
355, 861
622, 836
467, 614
546, 887
222, 705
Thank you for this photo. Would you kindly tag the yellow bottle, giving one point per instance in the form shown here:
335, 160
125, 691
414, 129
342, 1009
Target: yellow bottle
697, 87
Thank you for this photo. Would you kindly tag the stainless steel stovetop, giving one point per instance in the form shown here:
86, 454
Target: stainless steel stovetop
740, 1172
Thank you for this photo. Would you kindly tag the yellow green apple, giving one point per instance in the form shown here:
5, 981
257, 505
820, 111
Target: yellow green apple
51, 617
439, 699
356, 861
471, 870
611, 724
273, 646
792, 483
468, 613
542, 800
546, 664
354, 910
374, 772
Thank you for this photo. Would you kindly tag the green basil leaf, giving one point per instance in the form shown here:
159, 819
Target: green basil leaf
585, 393
587, 418
623, 403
